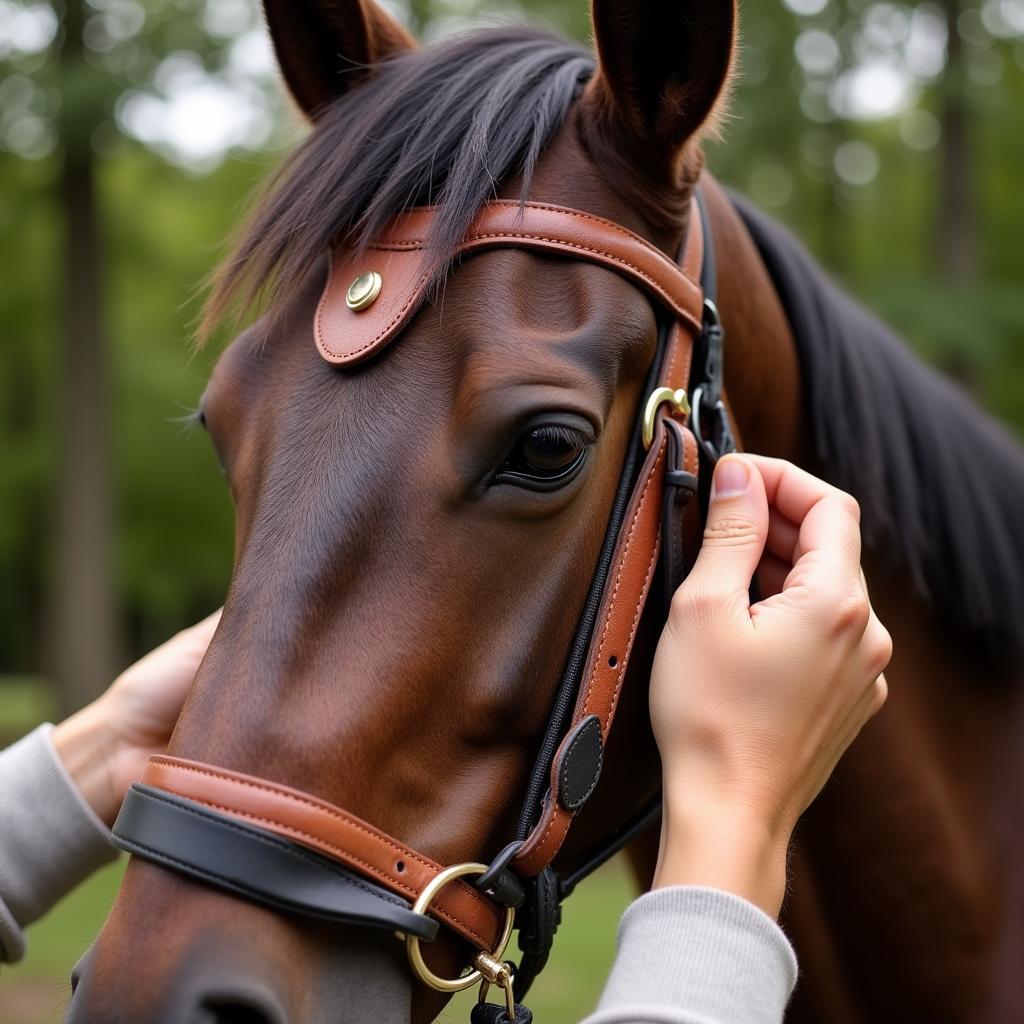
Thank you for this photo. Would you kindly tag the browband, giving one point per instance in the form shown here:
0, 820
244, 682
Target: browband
399, 257
201, 819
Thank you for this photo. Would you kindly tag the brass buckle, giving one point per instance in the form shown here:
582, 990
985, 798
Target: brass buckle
481, 968
496, 973
658, 397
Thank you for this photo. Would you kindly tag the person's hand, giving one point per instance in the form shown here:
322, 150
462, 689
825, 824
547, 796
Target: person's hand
753, 705
105, 746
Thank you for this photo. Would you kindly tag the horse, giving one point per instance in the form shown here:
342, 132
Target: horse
416, 534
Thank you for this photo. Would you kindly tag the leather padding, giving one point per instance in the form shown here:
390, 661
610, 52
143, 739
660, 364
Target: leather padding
578, 763
191, 840
332, 831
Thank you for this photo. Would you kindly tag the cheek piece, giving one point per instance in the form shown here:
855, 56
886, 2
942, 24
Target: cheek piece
300, 855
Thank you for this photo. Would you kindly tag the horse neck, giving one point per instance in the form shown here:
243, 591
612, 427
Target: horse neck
762, 373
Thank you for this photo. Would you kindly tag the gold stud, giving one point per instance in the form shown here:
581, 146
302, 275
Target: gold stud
363, 291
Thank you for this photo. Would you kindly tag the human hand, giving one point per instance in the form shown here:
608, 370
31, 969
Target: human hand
105, 746
753, 705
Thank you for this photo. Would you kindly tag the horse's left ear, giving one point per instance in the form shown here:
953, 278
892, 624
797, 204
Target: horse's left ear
663, 66
325, 47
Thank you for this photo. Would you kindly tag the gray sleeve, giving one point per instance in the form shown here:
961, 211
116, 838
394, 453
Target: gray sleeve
50, 839
691, 955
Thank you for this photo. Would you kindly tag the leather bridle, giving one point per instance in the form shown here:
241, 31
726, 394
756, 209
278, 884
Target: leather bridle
294, 852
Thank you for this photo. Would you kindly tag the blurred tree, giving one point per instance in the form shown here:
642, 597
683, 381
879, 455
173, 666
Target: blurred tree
957, 244
84, 643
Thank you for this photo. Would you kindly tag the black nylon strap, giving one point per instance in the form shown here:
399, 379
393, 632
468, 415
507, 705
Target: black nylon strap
250, 862
496, 1013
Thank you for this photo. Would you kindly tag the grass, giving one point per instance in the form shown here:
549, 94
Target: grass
35, 991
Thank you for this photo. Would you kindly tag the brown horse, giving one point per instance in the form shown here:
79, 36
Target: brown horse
408, 579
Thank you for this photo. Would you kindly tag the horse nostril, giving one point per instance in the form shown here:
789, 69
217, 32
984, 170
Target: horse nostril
222, 1010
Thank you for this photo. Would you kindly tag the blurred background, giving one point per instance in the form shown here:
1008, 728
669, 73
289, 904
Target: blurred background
889, 136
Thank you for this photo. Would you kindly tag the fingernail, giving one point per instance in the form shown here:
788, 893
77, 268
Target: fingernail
731, 478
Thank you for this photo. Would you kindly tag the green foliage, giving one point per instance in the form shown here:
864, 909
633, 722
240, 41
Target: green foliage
162, 232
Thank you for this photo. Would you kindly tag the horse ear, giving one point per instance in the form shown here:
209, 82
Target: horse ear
325, 47
663, 66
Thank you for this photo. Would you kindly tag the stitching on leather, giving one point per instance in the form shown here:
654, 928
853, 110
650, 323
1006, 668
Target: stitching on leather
557, 813
165, 858
690, 452
348, 855
632, 633
580, 247
597, 773
396, 245
324, 808
340, 816
636, 613
630, 537
618, 229
619, 261
383, 333
318, 317
278, 844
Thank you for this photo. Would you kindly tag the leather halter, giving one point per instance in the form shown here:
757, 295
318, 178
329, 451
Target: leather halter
295, 852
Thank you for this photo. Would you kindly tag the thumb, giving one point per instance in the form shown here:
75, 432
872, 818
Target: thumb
736, 530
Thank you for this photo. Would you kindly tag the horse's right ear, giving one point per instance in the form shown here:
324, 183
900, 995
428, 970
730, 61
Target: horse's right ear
325, 47
663, 67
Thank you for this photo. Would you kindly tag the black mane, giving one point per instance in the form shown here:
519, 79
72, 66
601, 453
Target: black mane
446, 125
941, 486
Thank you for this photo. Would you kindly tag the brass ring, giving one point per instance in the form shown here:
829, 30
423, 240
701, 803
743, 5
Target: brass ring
422, 904
676, 398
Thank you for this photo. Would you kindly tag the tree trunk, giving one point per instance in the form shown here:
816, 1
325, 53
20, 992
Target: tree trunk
956, 233
83, 655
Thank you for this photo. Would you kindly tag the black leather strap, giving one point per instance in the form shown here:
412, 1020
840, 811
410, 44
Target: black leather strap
539, 918
680, 487
248, 861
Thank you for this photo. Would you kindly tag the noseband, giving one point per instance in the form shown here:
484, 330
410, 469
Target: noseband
293, 852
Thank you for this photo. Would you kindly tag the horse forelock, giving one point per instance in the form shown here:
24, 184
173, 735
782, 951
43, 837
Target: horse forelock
446, 125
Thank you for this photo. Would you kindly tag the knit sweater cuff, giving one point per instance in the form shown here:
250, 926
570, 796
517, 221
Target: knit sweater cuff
693, 955
51, 838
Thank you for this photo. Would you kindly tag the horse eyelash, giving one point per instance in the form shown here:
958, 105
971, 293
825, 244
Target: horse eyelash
191, 419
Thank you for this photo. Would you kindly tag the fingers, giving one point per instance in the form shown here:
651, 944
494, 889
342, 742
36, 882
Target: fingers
826, 522
783, 536
737, 526
790, 489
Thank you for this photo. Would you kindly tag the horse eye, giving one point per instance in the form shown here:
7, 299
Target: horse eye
545, 457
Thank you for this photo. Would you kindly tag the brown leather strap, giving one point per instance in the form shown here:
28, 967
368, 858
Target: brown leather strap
331, 831
346, 337
633, 565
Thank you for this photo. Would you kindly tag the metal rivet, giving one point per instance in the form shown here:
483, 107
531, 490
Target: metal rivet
363, 291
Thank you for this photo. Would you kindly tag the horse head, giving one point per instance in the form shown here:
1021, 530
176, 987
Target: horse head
417, 532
